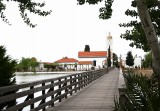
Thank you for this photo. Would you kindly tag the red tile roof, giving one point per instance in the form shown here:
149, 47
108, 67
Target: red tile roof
66, 59
92, 54
84, 62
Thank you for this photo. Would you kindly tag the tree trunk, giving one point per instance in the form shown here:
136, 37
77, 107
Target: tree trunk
151, 37
150, 34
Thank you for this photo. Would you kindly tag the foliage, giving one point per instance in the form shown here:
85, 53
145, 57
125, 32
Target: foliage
142, 94
147, 60
24, 6
6, 68
26, 64
87, 48
115, 60
136, 33
49, 65
105, 12
129, 59
55, 66
7, 76
33, 63
109, 57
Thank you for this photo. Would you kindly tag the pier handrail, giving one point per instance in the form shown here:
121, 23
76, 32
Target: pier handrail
52, 90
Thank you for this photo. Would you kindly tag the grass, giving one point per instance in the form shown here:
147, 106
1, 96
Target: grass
147, 72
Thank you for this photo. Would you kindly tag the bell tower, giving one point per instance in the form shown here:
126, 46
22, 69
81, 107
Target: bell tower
109, 42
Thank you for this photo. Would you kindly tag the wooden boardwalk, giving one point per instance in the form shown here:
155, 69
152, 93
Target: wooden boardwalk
98, 96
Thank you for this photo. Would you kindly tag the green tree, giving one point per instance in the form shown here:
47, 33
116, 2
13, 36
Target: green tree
147, 60
7, 68
129, 59
33, 63
27, 64
24, 6
55, 66
7, 76
87, 48
24, 64
115, 60
109, 57
136, 33
48, 66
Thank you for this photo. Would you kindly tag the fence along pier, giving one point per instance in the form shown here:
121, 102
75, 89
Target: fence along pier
52, 90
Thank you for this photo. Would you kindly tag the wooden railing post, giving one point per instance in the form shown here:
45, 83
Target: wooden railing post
75, 81
81, 80
32, 96
66, 90
52, 97
71, 85
79, 83
43, 93
88, 78
84, 80
60, 91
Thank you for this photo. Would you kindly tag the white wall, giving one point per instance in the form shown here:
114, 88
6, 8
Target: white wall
70, 65
137, 62
99, 61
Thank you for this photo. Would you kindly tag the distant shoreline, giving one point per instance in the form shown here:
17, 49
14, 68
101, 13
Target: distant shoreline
60, 72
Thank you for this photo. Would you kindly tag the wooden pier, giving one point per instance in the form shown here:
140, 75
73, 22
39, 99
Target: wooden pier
99, 93
98, 96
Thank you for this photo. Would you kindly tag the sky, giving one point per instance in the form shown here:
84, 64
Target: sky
65, 32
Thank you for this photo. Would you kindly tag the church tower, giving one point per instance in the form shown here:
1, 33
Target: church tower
109, 42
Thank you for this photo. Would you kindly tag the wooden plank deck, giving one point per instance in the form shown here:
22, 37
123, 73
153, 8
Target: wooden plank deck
98, 96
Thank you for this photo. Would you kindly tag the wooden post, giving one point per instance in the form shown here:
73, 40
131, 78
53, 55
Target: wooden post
71, 85
81, 80
60, 91
52, 89
66, 90
43, 93
79, 83
75, 84
32, 97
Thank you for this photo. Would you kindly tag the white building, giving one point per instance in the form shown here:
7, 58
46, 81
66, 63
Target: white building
97, 59
93, 58
137, 61
68, 63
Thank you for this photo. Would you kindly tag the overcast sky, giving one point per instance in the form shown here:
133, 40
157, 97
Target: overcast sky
65, 32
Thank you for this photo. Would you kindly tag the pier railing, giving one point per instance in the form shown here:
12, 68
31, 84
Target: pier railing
41, 94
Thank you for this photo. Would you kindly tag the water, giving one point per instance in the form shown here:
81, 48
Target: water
30, 77
27, 78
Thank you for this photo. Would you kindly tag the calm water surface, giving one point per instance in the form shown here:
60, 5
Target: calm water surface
27, 78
